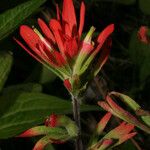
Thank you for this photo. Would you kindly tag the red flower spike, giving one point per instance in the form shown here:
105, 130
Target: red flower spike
103, 122
69, 17
143, 35
67, 84
51, 121
61, 43
46, 30
82, 17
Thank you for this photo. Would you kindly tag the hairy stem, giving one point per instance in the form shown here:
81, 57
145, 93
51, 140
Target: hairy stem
76, 115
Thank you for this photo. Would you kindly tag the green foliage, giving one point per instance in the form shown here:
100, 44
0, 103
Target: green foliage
146, 119
127, 146
125, 2
26, 110
46, 76
10, 19
6, 60
140, 54
144, 5
27, 87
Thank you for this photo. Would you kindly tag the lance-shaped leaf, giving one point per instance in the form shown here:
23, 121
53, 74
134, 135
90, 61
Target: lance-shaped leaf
6, 60
10, 19
18, 111
43, 130
116, 110
126, 99
145, 115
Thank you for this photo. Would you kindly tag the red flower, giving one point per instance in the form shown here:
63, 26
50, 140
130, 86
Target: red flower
60, 47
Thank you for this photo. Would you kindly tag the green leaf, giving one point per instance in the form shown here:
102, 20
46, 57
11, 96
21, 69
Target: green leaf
140, 54
145, 6
146, 119
30, 109
6, 60
49, 147
28, 87
125, 2
10, 19
128, 145
46, 75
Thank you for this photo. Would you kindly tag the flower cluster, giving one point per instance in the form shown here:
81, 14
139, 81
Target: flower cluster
60, 47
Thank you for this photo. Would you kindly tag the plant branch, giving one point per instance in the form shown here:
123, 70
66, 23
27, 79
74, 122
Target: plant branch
76, 115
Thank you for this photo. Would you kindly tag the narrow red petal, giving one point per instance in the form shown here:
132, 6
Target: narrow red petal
71, 47
30, 37
103, 122
28, 51
82, 17
105, 33
103, 36
105, 106
67, 84
46, 30
123, 129
68, 15
127, 137
116, 107
58, 12
59, 58
103, 56
56, 28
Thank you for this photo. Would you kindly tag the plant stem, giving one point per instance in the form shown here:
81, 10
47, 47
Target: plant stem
76, 115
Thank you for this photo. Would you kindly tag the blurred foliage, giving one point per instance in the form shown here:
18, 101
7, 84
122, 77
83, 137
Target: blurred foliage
26, 97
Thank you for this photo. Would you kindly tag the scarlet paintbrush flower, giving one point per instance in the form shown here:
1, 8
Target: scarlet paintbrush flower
61, 49
143, 34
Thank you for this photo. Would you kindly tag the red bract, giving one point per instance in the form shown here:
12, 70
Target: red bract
61, 49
